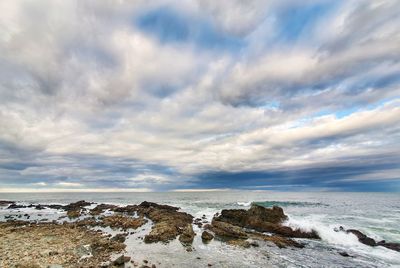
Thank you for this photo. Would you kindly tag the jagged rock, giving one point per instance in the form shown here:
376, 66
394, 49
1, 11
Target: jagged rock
124, 222
73, 214
121, 260
207, 236
162, 231
225, 229
362, 237
169, 222
279, 241
77, 205
263, 220
187, 235
101, 208
119, 238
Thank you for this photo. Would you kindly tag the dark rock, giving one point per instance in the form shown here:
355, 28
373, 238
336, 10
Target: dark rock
169, 223
187, 235
5, 203
77, 205
263, 220
344, 254
101, 208
225, 229
146, 204
362, 237
207, 236
119, 238
121, 260
15, 206
239, 243
392, 246
73, 214
124, 222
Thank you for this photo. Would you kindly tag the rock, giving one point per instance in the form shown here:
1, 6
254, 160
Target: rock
187, 235
239, 243
206, 236
72, 214
362, 237
77, 205
146, 204
225, 229
124, 222
263, 220
5, 203
279, 241
54, 266
121, 260
119, 238
162, 231
101, 208
15, 206
169, 222
392, 246
344, 254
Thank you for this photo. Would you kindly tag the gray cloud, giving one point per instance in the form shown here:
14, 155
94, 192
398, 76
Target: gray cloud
89, 100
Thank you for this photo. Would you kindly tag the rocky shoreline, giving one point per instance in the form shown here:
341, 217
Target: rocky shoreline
77, 238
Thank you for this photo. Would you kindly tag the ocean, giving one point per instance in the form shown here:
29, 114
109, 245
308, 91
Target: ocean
375, 214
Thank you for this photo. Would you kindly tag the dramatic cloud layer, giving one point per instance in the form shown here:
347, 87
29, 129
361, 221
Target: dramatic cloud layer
170, 95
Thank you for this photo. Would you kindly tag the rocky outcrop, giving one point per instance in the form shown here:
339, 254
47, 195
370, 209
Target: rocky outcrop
168, 221
226, 230
363, 238
101, 208
262, 219
187, 235
123, 222
72, 214
4, 203
76, 205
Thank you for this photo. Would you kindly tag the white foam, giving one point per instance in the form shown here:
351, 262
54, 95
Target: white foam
341, 240
325, 231
245, 204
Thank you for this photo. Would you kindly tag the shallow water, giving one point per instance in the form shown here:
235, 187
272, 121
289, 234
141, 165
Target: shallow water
376, 214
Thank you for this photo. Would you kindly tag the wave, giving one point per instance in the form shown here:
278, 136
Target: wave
244, 204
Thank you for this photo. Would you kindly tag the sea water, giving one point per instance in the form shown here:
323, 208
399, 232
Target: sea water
375, 214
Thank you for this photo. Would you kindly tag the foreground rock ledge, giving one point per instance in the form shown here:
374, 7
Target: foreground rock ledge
41, 245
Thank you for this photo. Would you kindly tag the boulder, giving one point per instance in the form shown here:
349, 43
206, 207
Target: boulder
207, 236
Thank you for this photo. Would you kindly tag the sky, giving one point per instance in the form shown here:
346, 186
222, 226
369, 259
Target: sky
167, 95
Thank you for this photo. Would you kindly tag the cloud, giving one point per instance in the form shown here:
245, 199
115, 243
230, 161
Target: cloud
170, 95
